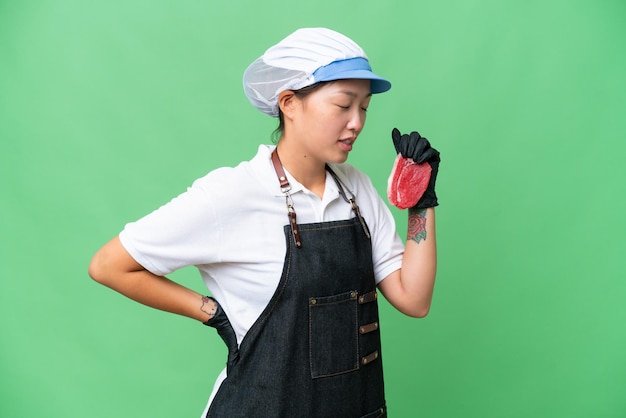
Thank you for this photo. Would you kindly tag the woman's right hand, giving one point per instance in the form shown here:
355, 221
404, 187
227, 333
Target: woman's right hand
222, 324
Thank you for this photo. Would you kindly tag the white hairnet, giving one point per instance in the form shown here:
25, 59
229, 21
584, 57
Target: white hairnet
306, 57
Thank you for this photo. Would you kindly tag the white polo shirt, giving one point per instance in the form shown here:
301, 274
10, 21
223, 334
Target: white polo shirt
229, 224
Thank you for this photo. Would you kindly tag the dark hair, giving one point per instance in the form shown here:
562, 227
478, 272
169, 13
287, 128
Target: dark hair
300, 94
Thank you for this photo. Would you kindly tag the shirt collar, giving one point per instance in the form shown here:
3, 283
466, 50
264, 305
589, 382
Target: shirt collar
264, 169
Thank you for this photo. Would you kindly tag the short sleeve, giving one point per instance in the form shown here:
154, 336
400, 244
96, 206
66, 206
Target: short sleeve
178, 234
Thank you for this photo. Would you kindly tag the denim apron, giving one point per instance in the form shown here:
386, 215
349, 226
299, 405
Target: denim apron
315, 350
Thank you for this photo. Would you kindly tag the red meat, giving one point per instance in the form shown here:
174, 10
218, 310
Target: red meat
408, 182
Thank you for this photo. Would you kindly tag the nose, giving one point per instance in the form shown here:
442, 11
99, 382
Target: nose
356, 122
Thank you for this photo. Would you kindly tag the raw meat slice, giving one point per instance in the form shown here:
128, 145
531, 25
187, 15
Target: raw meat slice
407, 182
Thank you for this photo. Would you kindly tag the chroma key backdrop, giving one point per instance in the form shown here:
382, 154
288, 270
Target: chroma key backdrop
110, 109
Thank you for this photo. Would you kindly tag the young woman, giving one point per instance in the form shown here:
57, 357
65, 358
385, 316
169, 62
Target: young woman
294, 244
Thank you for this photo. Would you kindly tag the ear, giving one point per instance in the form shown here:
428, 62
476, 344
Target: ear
286, 101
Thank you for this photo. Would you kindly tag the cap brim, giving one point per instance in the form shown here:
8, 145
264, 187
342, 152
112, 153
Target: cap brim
354, 68
378, 84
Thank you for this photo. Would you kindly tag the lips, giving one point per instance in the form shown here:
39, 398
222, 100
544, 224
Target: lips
349, 140
347, 143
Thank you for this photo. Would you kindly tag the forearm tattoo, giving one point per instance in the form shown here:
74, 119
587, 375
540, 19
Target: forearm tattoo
417, 225
207, 308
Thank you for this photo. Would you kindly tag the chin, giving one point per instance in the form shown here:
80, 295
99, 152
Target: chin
339, 159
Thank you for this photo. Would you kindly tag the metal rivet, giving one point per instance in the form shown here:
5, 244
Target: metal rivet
313, 301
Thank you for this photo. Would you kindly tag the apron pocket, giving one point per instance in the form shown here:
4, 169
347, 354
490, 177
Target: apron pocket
333, 334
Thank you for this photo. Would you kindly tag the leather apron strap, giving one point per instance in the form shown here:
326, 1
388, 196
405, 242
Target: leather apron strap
285, 187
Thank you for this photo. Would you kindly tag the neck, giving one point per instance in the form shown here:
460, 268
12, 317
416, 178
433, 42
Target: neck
306, 170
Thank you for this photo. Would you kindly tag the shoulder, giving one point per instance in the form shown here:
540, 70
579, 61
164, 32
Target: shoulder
248, 177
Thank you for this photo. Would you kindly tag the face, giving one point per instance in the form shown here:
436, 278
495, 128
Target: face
327, 122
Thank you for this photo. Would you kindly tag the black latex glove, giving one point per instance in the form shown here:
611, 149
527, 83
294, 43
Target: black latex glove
417, 148
225, 330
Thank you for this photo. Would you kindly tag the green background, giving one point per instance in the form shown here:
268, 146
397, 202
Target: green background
109, 109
